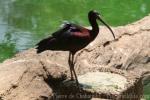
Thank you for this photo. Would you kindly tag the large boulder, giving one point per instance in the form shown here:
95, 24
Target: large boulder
32, 76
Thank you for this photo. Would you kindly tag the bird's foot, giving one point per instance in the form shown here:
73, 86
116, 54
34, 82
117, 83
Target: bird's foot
77, 83
79, 88
72, 79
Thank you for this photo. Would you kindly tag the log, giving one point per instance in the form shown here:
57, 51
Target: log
45, 76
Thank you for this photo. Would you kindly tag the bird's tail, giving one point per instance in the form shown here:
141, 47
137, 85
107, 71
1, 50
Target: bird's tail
44, 44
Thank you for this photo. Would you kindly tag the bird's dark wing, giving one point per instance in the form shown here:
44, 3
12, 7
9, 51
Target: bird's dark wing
62, 30
44, 44
71, 30
44, 41
70, 35
79, 31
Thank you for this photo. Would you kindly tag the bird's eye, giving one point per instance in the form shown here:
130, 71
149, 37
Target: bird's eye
96, 13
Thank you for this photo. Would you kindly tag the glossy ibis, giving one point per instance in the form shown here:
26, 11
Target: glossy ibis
72, 38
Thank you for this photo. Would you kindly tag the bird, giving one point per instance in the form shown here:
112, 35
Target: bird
72, 37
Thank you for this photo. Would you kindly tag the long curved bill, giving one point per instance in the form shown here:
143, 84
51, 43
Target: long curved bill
107, 26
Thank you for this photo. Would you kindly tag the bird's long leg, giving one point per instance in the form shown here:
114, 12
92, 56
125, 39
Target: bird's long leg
74, 70
70, 65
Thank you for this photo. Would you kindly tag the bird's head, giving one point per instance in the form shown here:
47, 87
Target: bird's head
96, 15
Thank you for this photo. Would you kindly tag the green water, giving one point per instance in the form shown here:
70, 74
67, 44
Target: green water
24, 22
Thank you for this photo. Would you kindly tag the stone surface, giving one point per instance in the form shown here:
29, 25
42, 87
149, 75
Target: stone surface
102, 82
27, 76
106, 83
31, 76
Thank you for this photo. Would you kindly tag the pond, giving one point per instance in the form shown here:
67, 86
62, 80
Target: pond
24, 22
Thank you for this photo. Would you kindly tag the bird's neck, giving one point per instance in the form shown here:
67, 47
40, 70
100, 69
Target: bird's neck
95, 27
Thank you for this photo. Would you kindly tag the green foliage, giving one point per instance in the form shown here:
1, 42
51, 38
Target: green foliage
27, 21
7, 50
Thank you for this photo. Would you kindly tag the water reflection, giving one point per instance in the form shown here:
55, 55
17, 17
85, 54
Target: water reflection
24, 22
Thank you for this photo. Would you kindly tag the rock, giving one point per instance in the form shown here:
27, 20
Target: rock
130, 51
31, 76
28, 76
110, 84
